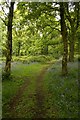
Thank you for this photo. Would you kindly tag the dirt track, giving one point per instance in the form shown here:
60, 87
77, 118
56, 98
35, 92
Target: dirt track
39, 96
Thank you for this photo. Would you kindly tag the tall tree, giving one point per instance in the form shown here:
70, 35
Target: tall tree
64, 37
73, 18
9, 40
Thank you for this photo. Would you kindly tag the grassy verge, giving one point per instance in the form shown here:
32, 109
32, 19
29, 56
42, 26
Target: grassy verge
19, 73
62, 92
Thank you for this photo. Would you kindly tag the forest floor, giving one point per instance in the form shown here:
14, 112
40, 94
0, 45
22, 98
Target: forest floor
39, 95
35, 92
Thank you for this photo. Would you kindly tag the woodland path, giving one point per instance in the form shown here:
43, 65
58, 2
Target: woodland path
15, 100
39, 95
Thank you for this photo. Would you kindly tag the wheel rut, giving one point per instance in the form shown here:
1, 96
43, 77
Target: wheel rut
40, 95
39, 110
15, 100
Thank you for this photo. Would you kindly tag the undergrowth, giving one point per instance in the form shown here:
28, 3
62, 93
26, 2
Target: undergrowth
20, 73
30, 59
62, 91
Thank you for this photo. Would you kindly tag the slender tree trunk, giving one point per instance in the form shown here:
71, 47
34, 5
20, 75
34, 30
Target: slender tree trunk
19, 47
9, 40
65, 41
71, 45
44, 50
74, 23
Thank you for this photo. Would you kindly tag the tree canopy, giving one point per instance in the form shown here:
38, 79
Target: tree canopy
47, 28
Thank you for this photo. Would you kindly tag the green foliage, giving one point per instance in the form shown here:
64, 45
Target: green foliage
20, 74
30, 36
36, 40
62, 92
32, 59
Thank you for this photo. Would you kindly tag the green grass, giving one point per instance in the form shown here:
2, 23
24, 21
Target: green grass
0, 99
62, 92
20, 71
0, 89
26, 106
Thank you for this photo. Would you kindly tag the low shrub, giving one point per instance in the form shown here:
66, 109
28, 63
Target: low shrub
29, 59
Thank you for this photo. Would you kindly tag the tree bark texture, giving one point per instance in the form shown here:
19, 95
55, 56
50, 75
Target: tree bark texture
71, 44
74, 23
65, 40
9, 40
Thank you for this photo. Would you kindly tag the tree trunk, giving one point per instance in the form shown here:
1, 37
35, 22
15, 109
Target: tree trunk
65, 41
71, 45
19, 47
44, 50
74, 23
9, 40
